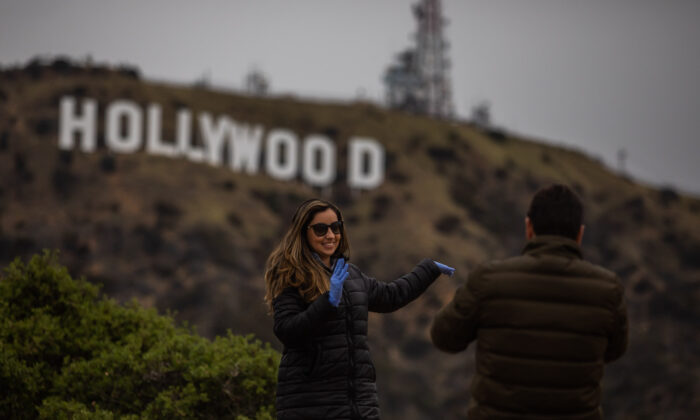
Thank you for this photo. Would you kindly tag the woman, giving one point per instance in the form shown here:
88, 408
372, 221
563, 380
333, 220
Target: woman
320, 305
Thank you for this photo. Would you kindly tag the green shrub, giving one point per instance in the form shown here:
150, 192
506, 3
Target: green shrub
68, 353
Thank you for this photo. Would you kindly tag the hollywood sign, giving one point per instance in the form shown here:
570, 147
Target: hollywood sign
285, 157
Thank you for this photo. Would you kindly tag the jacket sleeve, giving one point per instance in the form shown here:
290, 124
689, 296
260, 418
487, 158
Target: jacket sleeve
617, 340
295, 321
454, 327
390, 296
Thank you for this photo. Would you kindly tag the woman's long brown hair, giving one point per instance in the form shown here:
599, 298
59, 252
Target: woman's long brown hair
292, 264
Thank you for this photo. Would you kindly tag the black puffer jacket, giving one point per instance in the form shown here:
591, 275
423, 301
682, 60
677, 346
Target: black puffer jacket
326, 371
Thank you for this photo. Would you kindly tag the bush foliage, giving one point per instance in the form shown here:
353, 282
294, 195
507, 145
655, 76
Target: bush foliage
66, 352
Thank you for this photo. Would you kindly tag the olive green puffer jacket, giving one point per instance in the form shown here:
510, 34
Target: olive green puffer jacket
545, 324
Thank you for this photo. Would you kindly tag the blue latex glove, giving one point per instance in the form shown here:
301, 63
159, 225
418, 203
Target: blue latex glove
444, 269
340, 273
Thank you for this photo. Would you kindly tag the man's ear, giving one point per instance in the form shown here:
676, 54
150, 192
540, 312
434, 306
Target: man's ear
529, 230
579, 237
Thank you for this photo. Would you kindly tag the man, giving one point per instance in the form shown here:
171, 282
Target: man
545, 322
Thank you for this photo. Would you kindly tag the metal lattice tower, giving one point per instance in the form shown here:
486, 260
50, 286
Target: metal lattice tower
432, 57
420, 82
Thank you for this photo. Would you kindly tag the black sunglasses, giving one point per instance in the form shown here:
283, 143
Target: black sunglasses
320, 229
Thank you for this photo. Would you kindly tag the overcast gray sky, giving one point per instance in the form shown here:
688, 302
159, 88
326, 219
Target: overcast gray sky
599, 75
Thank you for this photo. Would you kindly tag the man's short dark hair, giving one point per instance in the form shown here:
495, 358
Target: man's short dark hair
556, 210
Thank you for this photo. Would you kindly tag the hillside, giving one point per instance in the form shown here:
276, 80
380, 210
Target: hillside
192, 237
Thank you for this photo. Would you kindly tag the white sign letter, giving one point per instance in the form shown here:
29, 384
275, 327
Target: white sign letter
154, 144
129, 141
71, 123
213, 135
365, 163
318, 165
244, 147
276, 140
184, 137
184, 131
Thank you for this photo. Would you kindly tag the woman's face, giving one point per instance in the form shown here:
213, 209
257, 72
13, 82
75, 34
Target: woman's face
326, 244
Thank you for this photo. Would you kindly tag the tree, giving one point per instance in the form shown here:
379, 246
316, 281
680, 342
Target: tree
68, 352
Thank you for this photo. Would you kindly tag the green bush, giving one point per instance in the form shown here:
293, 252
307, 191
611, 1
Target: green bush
66, 352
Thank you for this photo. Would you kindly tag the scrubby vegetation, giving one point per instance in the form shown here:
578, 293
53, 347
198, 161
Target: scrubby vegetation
68, 352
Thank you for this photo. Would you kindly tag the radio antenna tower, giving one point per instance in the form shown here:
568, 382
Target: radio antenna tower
420, 81
432, 57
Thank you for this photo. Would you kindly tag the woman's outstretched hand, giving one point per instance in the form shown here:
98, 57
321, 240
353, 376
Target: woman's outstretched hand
340, 273
445, 269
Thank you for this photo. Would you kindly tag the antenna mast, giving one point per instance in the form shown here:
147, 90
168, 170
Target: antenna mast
420, 82
432, 57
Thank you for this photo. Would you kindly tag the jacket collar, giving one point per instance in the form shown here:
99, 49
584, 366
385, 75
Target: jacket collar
325, 267
553, 245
